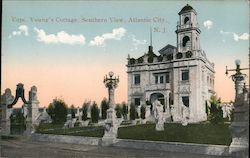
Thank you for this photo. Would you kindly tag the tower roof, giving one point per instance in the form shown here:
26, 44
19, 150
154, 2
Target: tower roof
186, 8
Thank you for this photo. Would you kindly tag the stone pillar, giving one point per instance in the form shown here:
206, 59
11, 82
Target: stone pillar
34, 103
240, 125
6, 99
111, 123
167, 109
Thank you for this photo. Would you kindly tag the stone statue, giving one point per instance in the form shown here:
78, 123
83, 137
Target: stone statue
159, 115
33, 94
185, 114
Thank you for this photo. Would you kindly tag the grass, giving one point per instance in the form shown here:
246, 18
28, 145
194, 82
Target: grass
192, 133
203, 133
89, 131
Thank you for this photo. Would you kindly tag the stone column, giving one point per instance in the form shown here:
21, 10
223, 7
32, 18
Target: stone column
111, 123
6, 99
167, 109
240, 125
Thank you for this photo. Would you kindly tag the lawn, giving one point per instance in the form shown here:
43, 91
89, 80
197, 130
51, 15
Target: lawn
91, 131
203, 133
192, 133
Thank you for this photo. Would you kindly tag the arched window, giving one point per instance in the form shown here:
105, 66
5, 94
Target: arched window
186, 20
185, 40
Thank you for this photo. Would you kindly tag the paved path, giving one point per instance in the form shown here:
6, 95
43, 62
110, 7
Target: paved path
25, 148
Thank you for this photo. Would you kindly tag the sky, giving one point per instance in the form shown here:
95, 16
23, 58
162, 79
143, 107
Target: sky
65, 48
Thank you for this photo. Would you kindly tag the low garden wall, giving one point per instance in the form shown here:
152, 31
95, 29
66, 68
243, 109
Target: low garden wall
66, 139
138, 144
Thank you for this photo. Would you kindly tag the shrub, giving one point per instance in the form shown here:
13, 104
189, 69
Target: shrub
94, 113
118, 110
132, 112
72, 110
124, 110
143, 112
104, 106
216, 113
85, 108
58, 111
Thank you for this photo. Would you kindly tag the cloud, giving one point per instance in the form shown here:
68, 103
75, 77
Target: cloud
117, 34
137, 42
244, 36
22, 29
61, 37
236, 37
208, 24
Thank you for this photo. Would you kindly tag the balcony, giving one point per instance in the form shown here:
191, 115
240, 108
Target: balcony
154, 87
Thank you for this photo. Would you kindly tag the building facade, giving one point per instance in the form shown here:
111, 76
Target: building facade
180, 75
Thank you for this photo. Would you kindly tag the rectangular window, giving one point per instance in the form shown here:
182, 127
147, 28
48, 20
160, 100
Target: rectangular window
161, 79
137, 101
137, 79
185, 101
167, 77
156, 79
185, 75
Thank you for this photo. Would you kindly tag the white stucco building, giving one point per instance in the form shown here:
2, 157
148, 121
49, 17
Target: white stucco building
180, 74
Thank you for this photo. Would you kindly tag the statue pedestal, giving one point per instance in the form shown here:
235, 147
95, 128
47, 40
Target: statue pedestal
29, 129
5, 126
240, 125
240, 130
111, 128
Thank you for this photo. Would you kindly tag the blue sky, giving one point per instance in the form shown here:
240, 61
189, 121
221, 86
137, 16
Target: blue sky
225, 40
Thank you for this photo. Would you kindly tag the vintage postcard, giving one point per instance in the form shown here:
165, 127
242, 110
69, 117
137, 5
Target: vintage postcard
105, 72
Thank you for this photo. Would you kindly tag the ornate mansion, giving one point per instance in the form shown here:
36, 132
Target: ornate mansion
180, 76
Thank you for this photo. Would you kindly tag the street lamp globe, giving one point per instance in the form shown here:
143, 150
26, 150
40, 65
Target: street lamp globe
111, 74
237, 62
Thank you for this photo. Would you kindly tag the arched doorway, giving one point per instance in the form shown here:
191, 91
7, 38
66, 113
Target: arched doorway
13, 122
157, 96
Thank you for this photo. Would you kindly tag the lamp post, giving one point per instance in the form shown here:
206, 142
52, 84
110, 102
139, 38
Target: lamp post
111, 123
111, 83
238, 78
240, 125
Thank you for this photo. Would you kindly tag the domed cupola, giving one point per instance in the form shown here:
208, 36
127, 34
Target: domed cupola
186, 8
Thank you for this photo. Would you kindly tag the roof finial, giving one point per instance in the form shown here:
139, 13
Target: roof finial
150, 48
150, 36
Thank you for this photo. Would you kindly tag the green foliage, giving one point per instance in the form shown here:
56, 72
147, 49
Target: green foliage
118, 110
207, 109
124, 110
17, 123
132, 111
72, 110
58, 111
218, 134
94, 131
94, 113
105, 107
85, 108
232, 115
216, 113
143, 111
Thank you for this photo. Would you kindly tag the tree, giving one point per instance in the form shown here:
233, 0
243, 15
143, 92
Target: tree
143, 112
94, 113
132, 111
85, 108
118, 110
58, 111
105, 107
216, 113
124, 110
72, 110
